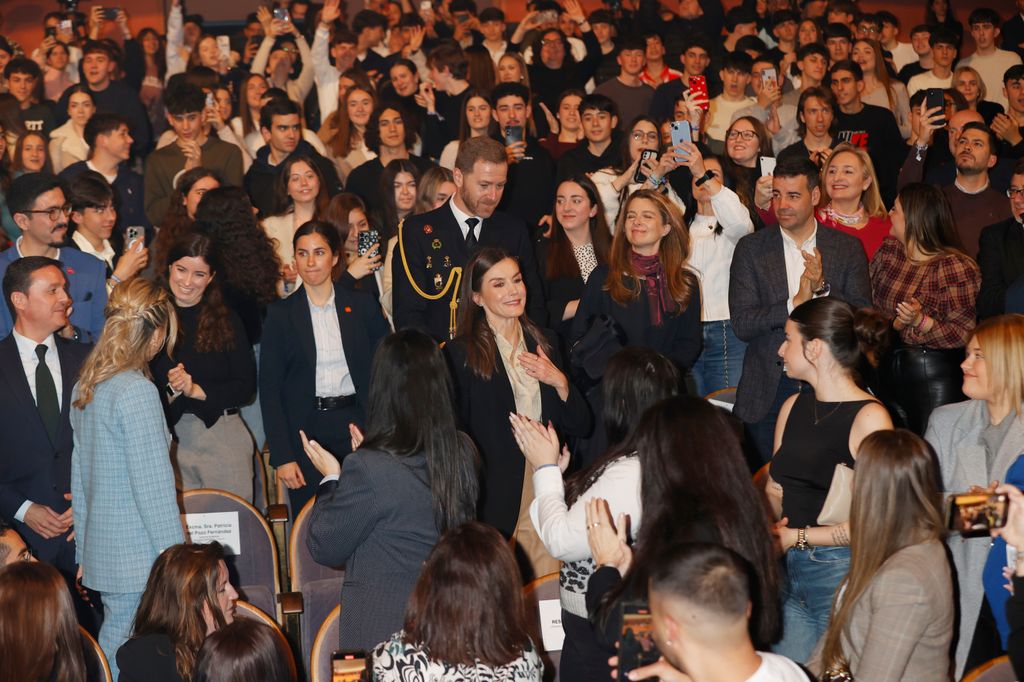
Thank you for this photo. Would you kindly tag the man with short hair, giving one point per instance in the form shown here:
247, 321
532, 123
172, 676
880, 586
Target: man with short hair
447, 237
867, 126
109, 150
812, 62
449, 69
281, 128
529, 193
779, 118
492, 27
1009, 126
988, 60
679, 24
784, 24
656, 71
1001, 253
38, 370
110, 96
773, 271
700, 600
602, 23
1013, 31
739, 22
631, 95
12, 548
695, 59
369, 27
40, 209
868, 27
842, 12
920, 43
839, 42
600, 119
888, 36
735, 75
22, 75
943, 43
193, 147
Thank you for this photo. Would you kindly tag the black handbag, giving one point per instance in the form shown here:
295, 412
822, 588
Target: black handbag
591, 353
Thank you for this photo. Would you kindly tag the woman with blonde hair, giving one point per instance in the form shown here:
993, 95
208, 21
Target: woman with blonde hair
969, 83
978, 441
892, 616
38, 631
188, 596
126, 509
850, 201
879, 89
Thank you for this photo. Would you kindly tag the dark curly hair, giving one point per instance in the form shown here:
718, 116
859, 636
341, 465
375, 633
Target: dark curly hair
214, 333
373, 125
249, 262
177, 223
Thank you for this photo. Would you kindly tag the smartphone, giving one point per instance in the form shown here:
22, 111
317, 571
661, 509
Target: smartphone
425, 6
462, 18
133, 233
110, 13
281, 14
224, 45
934, 97
211, 101
681, 132
171, 392
50, 31
366, 240
699, 88
513, 134
636, 639
972, 514
767, 165
548, 17
769, 76
66, 26
645, 154
349, 666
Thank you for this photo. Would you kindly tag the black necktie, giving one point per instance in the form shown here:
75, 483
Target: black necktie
46, 395
471, 235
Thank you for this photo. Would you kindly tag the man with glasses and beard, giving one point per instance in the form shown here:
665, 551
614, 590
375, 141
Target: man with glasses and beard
40, 209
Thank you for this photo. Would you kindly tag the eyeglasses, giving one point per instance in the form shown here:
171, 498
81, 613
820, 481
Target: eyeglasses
747, 135
639, 136
1015, 192
54, 212
549, 43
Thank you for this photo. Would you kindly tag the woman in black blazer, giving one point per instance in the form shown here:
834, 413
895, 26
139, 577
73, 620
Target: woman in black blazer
306, 381
503, 363
579, 242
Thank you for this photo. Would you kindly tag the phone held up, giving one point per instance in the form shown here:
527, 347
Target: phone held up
636, 639
699, 88
646, 154
975, 514
681, 132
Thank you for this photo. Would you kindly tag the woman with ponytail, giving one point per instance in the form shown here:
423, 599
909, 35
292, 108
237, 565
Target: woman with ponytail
829, 345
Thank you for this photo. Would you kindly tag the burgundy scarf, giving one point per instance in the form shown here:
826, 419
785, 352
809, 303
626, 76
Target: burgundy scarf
655, 286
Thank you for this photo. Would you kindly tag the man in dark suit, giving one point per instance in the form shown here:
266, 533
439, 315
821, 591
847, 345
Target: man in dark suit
1001, 254
443, 240
775, 270
38, 369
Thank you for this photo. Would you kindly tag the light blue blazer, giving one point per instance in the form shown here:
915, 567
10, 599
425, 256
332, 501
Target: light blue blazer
122, 484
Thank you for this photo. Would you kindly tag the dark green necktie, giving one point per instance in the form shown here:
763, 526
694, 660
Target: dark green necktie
46, 395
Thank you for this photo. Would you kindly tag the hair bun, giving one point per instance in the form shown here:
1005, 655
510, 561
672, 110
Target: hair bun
873, 333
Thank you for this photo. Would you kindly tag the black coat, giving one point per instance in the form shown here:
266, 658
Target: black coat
558, 292
149, 658
31, 466
483, 407
1001, 260
433, 246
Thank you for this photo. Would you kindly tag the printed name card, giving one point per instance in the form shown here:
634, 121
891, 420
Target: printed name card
221, 527
551, 624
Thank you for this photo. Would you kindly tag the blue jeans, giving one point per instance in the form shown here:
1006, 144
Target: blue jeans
812, 577
721, 363
118, 614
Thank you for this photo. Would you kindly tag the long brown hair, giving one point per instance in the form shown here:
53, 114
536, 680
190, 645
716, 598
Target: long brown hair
896, 504
345, 134
137, 310
561, 262
623, 283
283, 202
214, 333
473, 330
881, 73
181, 582
451, 613
38, 631
929, 220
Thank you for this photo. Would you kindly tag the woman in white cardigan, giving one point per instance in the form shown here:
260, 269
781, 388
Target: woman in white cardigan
301, 196
67, 143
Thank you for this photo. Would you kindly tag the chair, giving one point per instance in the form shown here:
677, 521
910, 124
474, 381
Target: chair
260, 492
324, 644
96, 667
542, 601
244, 609
996, 670
724, 398
320, 586
255, 570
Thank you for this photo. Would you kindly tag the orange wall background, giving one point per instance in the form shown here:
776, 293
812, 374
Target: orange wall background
23, 20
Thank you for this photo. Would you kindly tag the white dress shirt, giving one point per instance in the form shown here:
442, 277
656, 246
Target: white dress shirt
333, 377
711, 254
29, 362
461, 219
795, 261
106, 254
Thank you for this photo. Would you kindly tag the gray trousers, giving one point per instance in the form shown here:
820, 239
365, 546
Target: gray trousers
219, 457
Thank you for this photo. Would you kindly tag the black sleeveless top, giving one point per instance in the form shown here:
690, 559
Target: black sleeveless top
817, 437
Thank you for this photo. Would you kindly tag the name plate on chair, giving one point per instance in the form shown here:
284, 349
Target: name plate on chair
551, 632
219, 527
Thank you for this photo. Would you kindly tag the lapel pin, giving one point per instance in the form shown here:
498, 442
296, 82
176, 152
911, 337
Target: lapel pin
427, 229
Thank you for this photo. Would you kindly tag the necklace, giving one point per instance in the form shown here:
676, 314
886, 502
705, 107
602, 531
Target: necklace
855, 218
818, 420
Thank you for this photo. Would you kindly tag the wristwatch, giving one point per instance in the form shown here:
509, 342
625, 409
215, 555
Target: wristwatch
704, 178
801, 539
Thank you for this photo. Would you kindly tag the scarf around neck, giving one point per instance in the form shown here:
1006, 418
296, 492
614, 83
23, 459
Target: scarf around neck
655, 286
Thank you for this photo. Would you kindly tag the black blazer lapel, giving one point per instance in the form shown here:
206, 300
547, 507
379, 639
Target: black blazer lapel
302, 320
503, 387
13, 374
775, 264
351, 338
67, 378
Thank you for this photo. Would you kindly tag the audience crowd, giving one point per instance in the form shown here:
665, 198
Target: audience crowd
706, 311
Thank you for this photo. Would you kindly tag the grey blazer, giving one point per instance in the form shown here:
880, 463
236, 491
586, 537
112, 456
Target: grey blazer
378, 520
758, 298
955, 433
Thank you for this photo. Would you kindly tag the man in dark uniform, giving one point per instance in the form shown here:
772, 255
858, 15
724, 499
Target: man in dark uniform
443, 240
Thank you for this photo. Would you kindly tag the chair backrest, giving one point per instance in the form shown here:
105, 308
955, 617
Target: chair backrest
320, 585
545, 609
996, 670
96, 667
324, 644
254, 570
244, 609
724, 397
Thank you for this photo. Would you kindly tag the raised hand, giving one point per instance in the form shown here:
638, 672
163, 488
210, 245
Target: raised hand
326, 463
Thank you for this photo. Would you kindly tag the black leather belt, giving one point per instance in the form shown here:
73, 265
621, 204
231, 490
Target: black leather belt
334, 402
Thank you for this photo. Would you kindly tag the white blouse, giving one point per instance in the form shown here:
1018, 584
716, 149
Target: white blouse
711, 254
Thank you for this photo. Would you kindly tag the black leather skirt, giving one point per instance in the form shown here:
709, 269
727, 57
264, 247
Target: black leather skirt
914, 380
